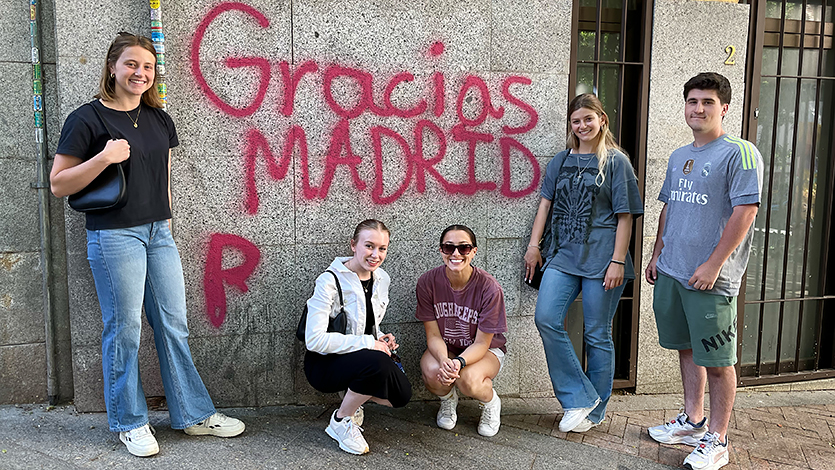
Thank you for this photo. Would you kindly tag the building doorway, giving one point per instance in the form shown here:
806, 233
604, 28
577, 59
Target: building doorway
784, 331
610, 53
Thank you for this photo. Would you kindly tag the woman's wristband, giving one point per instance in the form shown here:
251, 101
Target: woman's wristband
533, 246
460, 360
622, 263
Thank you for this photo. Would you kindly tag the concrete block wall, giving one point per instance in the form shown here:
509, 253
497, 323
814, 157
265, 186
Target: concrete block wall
227, 213
23, 371
231, 207
677, 54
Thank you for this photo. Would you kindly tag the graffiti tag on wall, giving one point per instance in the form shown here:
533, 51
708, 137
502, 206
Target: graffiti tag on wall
418, 165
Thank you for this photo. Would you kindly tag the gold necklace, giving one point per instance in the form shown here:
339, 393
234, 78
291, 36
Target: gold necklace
135, 121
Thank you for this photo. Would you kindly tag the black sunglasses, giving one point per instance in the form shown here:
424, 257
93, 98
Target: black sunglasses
464, 249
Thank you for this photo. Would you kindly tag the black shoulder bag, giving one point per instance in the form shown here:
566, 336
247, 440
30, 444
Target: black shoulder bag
337, 324
107, 191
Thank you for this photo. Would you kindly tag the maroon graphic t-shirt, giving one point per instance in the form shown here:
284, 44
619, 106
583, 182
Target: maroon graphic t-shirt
460, 314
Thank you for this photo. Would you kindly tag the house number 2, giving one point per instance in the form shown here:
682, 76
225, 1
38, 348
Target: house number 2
731, 51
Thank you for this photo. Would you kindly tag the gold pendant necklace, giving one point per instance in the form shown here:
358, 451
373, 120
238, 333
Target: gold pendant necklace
135, 121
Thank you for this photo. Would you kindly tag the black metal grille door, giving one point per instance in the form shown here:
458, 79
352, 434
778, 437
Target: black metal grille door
786, 334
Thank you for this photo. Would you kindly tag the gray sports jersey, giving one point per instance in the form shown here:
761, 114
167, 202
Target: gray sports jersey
702, 186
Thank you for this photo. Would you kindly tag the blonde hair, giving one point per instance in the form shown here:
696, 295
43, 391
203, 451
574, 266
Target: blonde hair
369, 224
107, 84
605, 139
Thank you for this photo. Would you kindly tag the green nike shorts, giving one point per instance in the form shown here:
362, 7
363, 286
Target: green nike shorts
688, 319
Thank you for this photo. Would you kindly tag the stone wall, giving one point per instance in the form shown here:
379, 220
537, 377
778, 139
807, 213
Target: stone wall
257, 219
23, 371
493, 76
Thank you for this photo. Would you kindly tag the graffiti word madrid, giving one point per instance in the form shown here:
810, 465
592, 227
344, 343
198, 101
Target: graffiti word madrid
418, 164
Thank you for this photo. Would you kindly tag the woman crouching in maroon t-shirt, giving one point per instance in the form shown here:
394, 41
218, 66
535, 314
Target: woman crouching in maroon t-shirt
462, 310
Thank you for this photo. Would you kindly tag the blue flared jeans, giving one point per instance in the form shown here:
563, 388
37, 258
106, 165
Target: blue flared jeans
573, 387
131, 267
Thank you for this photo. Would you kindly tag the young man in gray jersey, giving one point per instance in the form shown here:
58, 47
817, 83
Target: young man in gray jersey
711, 195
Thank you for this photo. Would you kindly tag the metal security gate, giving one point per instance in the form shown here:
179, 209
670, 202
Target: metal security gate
785, 319
610, 52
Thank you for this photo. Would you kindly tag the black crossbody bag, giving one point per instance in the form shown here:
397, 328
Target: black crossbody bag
337, 324
107, 191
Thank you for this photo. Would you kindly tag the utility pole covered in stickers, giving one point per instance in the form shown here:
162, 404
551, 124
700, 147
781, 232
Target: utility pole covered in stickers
37, 74
159, 44
42, 187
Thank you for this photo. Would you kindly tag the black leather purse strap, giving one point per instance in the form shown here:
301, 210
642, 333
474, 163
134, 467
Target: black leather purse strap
109, 132
556, 182
560, 158
338, 288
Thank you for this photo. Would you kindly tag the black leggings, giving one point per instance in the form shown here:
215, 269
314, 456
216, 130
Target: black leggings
367, 372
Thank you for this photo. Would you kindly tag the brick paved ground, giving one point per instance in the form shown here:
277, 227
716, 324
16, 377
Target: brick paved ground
795, 437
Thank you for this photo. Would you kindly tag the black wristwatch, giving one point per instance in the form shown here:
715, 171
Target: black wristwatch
460, 360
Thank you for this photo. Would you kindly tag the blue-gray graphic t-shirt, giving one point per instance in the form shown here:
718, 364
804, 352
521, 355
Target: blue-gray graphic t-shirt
701, 189
584, 218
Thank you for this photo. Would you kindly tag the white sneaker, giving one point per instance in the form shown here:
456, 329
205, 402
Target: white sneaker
140, 441
679, 431
218, 425
491, 413
710, 454
347, 434
572, 418
584, 425
447, 415
358, 417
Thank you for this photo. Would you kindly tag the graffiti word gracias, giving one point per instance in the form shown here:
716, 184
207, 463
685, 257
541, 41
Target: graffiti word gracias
340, 153
417, 164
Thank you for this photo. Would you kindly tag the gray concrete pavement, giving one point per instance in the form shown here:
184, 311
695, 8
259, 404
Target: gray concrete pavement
293, 437
775, 429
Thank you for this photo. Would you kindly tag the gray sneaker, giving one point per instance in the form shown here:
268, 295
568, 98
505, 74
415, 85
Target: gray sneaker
347, 434
710, 454
679, 431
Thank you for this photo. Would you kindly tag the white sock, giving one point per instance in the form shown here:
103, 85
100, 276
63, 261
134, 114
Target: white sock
495, 395
448, 395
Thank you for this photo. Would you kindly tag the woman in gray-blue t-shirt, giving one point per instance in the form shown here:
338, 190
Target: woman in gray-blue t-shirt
590, 194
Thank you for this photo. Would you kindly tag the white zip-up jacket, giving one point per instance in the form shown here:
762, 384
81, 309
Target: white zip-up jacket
324, 304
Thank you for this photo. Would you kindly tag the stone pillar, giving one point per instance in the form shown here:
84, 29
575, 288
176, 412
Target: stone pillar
688, 37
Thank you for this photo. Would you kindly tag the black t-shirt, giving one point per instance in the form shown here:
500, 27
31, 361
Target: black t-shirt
146, 171
368, 287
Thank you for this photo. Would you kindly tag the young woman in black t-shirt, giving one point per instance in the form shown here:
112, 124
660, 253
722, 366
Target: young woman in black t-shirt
131, 252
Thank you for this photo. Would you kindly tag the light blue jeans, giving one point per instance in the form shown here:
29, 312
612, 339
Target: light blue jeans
573, 387
132, 265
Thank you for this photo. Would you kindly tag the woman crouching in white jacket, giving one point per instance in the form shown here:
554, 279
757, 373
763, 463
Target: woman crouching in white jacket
358, 362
